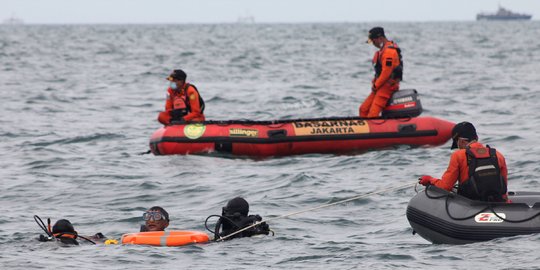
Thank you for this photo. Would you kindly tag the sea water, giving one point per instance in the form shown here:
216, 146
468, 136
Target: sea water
79, 103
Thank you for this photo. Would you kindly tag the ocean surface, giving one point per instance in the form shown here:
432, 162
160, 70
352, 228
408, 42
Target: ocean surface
79, 103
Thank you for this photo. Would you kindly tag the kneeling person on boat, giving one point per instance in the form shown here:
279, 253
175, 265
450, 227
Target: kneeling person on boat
184, 103
156, 219
234, 217
480, 171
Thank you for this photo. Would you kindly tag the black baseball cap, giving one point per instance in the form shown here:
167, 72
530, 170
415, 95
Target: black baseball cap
463, 130
177, 74
375, 32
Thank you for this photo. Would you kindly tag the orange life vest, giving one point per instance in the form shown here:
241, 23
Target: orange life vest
397, 72
180, 99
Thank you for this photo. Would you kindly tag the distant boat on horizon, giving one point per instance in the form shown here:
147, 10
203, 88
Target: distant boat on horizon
13, 20
503, 15
248, 19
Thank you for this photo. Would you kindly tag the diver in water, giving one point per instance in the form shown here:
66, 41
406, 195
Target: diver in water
234, 217
156, 219
64, 232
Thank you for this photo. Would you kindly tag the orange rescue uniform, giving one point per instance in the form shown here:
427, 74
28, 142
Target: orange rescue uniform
459, 170
383, 83
187, 99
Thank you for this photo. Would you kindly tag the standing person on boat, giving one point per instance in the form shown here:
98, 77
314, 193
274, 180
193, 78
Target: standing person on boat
234, 217
388, 67
156, 219
480, 171
184, 103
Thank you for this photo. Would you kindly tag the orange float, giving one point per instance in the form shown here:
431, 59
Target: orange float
165, 238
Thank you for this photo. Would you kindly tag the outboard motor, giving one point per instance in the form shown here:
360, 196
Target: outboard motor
403, 103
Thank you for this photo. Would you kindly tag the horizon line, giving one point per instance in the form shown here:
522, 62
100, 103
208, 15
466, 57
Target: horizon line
248, 23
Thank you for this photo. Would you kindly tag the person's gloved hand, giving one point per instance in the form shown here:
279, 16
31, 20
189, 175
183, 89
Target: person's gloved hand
373, 88
43, 238
426, 180
178, 114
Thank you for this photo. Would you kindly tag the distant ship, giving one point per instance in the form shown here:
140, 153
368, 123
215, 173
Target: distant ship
502, 15
13, 21
246, 19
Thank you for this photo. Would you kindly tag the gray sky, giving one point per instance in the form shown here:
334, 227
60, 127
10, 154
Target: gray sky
218, 11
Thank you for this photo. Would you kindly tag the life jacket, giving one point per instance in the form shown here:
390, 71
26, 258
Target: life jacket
229, 224
397, 72
485, 182
181, 105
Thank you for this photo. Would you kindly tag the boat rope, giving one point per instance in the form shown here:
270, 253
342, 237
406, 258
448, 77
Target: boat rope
144, 153
488, 206
317, 208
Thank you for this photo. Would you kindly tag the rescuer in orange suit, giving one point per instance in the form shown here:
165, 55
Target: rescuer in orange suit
184, 103
388, 67
480, 171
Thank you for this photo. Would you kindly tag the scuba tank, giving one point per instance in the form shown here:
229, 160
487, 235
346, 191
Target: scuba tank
228, 224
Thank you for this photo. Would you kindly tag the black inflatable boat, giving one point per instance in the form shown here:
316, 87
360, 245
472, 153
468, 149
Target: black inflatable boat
442, 217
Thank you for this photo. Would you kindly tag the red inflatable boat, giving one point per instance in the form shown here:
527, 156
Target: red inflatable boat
303, 136
294, 137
